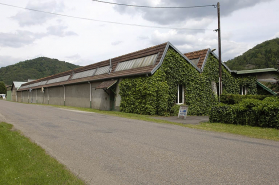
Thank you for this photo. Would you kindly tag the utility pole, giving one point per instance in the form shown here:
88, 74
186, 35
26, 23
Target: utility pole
219, 49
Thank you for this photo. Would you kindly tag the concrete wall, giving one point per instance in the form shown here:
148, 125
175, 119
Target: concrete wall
38, 96
56, 95
267, 77
25, 97
18, 96
77, 95
100, 99
13, 94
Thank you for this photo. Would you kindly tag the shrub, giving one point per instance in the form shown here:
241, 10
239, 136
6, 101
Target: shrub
236, 98
248, 112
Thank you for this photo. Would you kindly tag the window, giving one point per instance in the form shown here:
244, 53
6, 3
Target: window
243, 90
214, 88
180, 95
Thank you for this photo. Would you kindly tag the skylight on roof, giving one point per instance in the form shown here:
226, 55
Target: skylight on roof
102, 70
59, 79
135, 63
84, 74
195, 61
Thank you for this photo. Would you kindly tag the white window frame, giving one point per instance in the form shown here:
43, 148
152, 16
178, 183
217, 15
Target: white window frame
177, 100
243, 90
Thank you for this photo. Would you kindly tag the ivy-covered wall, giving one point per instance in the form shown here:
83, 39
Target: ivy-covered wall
157, 94
211, 70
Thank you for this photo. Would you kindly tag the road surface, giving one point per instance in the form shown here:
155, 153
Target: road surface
104, 149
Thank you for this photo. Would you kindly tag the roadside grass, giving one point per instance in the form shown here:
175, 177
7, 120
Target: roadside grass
24, 162
245, 130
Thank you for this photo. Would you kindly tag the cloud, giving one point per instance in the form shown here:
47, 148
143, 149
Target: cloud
116, 43
174, 37
193, 42
276, 35
29, 18
78, 60
59, 30
19, 38
170, 16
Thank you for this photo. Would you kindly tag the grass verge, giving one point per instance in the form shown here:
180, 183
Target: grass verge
24, 162
249, 131
245, 130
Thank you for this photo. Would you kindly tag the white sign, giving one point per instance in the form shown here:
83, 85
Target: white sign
183, 110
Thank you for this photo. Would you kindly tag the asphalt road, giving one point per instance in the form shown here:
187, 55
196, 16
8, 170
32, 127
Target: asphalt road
104, 149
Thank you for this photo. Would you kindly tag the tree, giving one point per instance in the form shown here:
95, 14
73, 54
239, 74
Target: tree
3, 88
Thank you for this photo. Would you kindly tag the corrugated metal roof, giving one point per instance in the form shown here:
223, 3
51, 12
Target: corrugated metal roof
35, 84
256, 71
102, 70
59, 79
135, 63
17, 85
106, 84
43, 82
84, 74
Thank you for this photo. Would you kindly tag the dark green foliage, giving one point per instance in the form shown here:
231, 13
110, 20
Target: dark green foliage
144, 95
236, 98
211, 70
248, 112
3, 89
175, 109
264, 55
250, 82
157, 94
34, 69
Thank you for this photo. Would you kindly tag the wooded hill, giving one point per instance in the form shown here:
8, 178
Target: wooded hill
33, 69
264, 55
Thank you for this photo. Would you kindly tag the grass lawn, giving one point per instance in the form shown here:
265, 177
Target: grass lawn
255, 132
24, 162
249, 131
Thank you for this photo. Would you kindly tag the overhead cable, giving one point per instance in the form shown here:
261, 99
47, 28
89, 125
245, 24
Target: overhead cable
96, 20
141, 6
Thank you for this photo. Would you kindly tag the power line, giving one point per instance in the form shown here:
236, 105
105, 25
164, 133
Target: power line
96, 20
141, 6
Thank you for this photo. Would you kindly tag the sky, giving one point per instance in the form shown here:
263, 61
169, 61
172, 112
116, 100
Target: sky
26, 35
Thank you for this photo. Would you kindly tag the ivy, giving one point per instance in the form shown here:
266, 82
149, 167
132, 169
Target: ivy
157, 94
211, 70
250, 83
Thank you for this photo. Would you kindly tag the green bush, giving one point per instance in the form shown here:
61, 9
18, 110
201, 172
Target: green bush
175, 110
3, 89
236, 98
272, 99
248, 112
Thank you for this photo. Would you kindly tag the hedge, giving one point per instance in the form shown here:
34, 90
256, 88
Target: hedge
236, 98
248, 112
